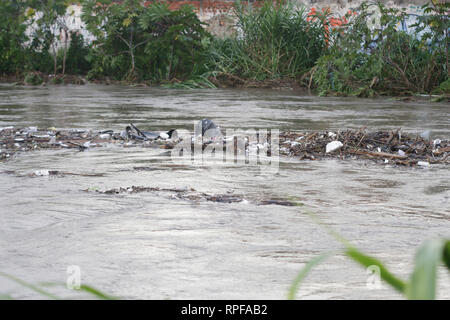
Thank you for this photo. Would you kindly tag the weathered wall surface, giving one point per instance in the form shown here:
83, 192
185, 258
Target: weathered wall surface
206, 8
217, 13
342, 6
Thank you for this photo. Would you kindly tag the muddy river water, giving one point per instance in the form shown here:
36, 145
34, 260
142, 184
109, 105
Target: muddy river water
152, 245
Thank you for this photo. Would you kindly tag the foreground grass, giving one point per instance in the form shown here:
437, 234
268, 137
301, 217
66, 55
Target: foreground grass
422, 282
421, 285
97, 294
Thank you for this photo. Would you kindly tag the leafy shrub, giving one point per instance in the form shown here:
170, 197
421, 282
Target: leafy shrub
273, 41
146, 42
179, 44
33, 78
77, 62
366, 62
12, 37
38, 56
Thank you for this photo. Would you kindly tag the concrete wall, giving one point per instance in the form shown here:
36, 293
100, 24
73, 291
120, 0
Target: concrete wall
217, 13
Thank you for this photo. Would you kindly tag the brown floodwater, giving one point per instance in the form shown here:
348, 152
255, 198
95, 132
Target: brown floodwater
155, 246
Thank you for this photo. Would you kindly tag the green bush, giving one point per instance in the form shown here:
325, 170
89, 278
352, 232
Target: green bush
77, 61
38, 56
276, 40
179, 45
444, 87
366, 62
12, 36
138, 42
33, 78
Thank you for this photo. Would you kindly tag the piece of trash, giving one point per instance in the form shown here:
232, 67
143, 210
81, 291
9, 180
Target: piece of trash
19, 140
104, 136
332, 134
6, 128
401, 153
45, 136
423, 163
164, 135
437, 142
148, 135
174, 135
379, 149
333, 146
73, 130
207, 128
386, 161
425, 135
284, 150
87, 144
41, 173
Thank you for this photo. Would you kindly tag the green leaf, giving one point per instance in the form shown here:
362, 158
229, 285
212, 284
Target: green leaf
126, 22
96, 293
28, 285
385, 274
304, 272
446, 254
422, 284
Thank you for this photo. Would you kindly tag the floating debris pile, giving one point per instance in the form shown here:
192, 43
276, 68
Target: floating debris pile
13, 140
385, 147
392, 147
191, 194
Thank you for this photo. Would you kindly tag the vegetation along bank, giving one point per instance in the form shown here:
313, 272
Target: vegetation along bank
372, 50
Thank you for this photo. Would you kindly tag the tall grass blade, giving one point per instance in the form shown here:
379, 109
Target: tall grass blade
368, 261
304, 272
30, 286
446, 254
422, 285
96, 293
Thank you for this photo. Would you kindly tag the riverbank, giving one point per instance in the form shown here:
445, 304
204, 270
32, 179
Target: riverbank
280, 46
220, 81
